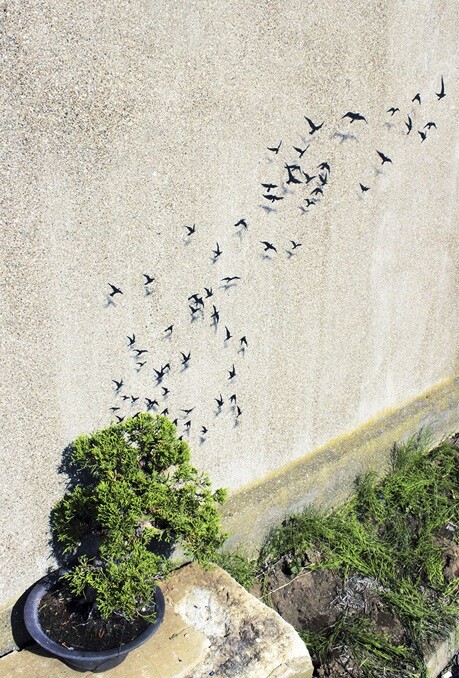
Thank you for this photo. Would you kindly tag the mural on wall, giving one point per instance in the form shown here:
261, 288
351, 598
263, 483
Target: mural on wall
289, 177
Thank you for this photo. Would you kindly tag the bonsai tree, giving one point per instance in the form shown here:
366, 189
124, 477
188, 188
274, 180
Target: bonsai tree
141, 495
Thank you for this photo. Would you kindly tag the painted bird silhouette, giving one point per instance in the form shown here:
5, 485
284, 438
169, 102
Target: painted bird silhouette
276, 148
243, 223
441, 93
313, 126
354, 116
300, 151
268, 245
384, 158
291, 177
269, 187
115, 290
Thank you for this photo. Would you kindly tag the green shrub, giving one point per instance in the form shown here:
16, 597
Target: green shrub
142, 495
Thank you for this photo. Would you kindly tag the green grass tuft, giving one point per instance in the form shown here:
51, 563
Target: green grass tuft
393, 531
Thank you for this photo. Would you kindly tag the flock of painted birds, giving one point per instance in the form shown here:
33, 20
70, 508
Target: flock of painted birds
314, 182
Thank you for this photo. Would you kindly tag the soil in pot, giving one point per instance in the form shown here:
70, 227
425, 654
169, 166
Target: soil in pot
68, 621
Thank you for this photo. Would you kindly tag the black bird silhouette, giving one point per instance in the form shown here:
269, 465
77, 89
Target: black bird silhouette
191, 229
238, 411
194, 297
272, 197
364, 188
441, 93
219, 401
209, 292
228, 334
175, 422
188, 412
115, 290
233, 399
313, 126
291, 178
120, 419
186, 358
384, 158
217, 252
317, 190
232, 372
229, 279
159, 374
165, 390
430, 124
124, 397
392, 110
243, 341
165, 412
309, 178
310, 201
417, 97
409, 125
167, 367
268, 245
353, 116
295, 244
269, 186
423, 136
139, 351
242, 222
131, 340
204, 430
151, 403
276, 148
324, 166
194, 310
134, 399
187, 424
118, 384
148, 279
114, 409
140, 365
323, 178
169, 329
215, 315
300, 151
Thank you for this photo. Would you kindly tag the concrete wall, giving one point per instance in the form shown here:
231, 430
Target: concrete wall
123, 123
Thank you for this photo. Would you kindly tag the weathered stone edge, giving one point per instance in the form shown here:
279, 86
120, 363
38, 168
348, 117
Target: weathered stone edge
327, 475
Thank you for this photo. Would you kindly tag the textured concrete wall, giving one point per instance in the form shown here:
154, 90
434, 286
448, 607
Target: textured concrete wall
125, 122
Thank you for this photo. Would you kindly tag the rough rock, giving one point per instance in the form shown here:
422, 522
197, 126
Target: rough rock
246, 639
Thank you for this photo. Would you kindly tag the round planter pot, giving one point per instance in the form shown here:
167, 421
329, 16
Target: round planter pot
79, 659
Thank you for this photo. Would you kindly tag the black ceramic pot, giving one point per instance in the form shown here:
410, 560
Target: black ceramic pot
79, 659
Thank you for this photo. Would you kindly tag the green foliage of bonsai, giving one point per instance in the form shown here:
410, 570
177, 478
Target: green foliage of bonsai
142, 493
